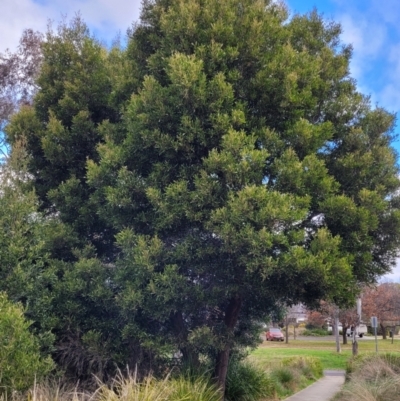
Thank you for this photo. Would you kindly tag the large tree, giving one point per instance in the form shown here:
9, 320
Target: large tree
61, 129
233, 156
54, 135
250, 173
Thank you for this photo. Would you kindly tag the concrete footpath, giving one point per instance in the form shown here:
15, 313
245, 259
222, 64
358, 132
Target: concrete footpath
322, 390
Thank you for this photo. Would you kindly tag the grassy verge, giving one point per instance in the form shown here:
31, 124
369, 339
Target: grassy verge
245, 382
269, 354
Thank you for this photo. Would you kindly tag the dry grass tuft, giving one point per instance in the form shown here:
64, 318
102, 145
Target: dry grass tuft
374, 378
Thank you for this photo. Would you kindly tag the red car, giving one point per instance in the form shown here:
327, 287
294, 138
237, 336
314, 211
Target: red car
274, 334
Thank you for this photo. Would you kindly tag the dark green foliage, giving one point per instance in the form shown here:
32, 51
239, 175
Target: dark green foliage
62, 131
27, 241
284, 376
228, 182
246, 381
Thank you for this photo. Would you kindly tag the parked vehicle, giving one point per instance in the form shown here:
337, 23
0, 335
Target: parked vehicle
361, 330
330, 329
274, 334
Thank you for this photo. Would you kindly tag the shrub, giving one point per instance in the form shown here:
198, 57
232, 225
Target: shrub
309, 367
246, 382
20, 360
316, 332
284, 375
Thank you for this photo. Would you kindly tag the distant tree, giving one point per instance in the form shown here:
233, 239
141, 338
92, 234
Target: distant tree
18, 73
328, 311
382, 301
316, 318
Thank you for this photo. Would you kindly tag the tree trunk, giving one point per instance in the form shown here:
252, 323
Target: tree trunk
221, 369
189, 357
383, 328
344, 334
222, 360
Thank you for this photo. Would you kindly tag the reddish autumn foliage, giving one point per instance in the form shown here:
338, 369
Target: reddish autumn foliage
382, 301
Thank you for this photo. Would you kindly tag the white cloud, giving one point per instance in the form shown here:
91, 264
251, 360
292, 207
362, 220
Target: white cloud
368, 40
394, 276
373, 28
105, 16
18, 15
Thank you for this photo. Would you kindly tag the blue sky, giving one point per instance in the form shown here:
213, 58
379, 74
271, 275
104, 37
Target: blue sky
371, 26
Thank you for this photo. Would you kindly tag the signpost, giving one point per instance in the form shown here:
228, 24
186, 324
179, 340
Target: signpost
374, 324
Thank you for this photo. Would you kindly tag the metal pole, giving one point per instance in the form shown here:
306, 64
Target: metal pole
376, 341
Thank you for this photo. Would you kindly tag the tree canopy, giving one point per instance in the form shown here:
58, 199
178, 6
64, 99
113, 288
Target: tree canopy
221, 166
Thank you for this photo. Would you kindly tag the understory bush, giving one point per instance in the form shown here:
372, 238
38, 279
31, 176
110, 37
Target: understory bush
295, 373
20, 359
372, 378
307, 366
247, 382
316, 332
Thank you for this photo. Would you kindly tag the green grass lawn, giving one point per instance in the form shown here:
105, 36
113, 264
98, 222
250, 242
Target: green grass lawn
269, 353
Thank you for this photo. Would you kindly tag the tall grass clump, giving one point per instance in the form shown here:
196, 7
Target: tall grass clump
309, 367
55, 390
372, 378
129, 388
247, 382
